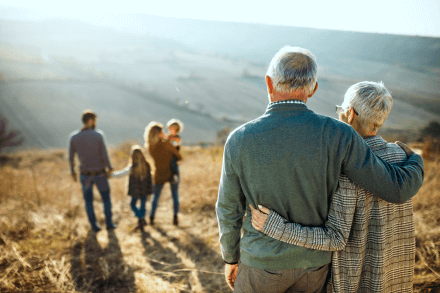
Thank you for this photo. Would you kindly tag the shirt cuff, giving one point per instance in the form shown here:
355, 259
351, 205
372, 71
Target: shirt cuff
231, 263
272, 225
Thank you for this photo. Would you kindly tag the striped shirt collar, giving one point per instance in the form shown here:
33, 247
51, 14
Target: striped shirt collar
375, 141
288, 102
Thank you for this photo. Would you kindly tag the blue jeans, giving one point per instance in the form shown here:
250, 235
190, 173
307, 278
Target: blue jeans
157, 191
139, 213
174, 166
101, 183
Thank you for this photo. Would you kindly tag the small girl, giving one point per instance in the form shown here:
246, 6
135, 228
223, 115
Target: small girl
140, 184
175, 126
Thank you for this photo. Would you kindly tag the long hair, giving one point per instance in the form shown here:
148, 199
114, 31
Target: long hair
151, 134
139, 165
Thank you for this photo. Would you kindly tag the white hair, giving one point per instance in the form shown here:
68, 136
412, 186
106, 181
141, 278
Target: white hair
293, 68
371, 100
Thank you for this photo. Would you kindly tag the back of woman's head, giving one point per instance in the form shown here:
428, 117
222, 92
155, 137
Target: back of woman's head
371, 100
139, 165
152, 132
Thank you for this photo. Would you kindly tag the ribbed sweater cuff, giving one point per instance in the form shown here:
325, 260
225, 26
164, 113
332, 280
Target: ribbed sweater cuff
272, 225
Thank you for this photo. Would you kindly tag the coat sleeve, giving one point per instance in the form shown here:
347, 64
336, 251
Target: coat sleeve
104, 152
392, 183
72, 152
121, 173
173, 150
230, 209
333, 236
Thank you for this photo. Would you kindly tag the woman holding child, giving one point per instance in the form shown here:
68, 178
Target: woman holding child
162, 153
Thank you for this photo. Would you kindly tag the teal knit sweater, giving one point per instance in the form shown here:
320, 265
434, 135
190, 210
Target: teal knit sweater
289, 160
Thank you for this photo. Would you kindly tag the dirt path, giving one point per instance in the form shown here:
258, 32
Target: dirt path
164, 257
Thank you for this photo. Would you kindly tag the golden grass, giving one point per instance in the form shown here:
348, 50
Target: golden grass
46, 244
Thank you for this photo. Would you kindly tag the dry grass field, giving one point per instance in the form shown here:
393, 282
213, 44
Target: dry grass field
46, 244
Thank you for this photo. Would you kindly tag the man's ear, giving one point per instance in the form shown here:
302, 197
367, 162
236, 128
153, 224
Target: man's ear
314, 91
350, 116
269, 84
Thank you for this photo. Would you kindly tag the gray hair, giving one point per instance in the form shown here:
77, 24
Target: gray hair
293, 68
371, 100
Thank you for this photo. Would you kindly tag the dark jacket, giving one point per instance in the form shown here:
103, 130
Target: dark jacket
140, 187
162, 153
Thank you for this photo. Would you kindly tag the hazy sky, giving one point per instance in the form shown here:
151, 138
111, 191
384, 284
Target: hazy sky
415, 17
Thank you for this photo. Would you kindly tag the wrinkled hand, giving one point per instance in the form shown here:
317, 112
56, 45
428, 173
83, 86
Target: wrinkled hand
408, 151
231, 275
259, 216
74, 177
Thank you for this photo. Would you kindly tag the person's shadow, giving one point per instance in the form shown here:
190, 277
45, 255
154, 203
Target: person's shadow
163, 260
94, 269
195, 250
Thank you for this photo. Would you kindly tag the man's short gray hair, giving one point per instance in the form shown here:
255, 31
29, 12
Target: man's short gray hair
293, 68
371, 100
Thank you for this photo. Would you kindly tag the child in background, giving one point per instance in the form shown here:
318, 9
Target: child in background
140, 184
174, 126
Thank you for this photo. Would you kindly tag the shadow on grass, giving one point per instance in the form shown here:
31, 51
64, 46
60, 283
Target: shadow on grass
204, 260
164, 261
95, 269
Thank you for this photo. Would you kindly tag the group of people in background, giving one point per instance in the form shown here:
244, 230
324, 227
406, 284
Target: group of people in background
306, 203
95, 168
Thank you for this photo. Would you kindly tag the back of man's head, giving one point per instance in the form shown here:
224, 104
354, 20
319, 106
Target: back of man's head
372, 101
293, 68
87, 115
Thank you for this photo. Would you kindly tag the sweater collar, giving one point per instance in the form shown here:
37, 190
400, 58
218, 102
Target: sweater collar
375, 141
286, 103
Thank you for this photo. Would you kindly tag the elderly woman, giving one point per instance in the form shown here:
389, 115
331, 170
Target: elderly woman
373, 240
162, 153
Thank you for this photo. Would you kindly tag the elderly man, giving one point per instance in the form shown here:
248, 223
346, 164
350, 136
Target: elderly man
289, 159
90, 146
358, 217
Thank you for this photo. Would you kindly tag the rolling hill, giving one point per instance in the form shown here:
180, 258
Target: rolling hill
208, 74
